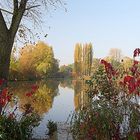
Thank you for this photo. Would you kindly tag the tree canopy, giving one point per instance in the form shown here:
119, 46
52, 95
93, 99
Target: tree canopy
35, 61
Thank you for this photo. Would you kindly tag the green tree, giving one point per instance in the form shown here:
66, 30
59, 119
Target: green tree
127, 63
45, 64
95, 65
66, 70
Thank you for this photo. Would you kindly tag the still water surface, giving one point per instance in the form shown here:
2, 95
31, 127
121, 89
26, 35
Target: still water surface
62, 106
55, 100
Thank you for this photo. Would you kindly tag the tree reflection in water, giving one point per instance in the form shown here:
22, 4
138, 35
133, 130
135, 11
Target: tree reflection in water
42, 100
81, 98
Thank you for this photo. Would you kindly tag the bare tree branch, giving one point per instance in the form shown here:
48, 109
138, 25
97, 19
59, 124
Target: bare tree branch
28, 8
25, 10
6, 11
16, 10
16, 19
15, 2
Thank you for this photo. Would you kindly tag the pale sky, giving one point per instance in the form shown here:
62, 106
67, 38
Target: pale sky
105, 23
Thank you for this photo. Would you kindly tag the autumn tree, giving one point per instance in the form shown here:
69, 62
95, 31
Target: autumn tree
83, 55
78, 59
45, 63
27, 61
87, 58
14, 15
37, 61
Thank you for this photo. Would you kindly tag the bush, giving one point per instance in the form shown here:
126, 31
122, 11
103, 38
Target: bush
13, 127
113, 109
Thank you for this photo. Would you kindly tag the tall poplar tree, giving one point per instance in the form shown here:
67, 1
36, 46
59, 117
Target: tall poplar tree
90, 57
83, 59
78, 59
87, 58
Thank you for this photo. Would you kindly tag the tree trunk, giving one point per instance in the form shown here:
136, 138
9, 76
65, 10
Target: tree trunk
7, 36
5, 53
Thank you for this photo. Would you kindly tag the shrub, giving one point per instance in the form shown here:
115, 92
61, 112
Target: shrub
13, 127
110, 112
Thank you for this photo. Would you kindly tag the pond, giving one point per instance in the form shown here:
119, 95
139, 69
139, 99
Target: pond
56, 100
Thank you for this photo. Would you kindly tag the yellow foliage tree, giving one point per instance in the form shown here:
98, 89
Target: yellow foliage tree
38, 61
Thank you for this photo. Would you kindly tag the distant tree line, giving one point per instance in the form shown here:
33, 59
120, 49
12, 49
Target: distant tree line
38, 61
66, 71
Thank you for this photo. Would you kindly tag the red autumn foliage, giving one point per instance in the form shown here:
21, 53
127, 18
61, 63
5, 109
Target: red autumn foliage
34, 89
130, 82
28, 94
1, 82
136, 52
109, 69
134, 68
4, 97
136, 62
137, 135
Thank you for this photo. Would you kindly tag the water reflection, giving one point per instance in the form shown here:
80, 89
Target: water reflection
81, 97
54, 100
66, 83
42, 100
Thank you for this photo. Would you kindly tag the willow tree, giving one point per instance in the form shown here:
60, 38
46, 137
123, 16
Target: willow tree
78, 59
14, 17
